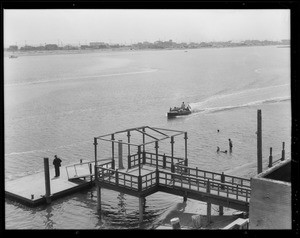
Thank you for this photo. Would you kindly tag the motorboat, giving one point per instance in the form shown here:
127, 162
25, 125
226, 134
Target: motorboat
179, 111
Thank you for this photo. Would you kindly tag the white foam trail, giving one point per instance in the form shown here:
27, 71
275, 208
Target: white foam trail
244, 98
83, 77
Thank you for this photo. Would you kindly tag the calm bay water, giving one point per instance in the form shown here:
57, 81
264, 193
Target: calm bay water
57, 104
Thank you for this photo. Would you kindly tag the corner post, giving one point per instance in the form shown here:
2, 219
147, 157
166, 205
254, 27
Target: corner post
113, 151
96, 164
143, 139
139, 159
95, 144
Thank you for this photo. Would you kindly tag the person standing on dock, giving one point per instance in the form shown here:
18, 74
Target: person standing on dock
230, 145
182, 105
56, 163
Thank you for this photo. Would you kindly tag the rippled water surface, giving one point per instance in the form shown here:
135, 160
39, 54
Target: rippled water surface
57, 104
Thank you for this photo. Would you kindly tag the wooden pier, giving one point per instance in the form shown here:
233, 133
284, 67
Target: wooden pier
146, 173
149, 172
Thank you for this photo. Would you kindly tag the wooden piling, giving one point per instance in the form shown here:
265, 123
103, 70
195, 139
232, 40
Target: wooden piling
208, 204
208, 213
283, 152
221, 210
95, 144
128, 154
185, 197
139, 159
47, 180
185, 149
141, 210
164, 161
270, 158
120, 147
156, 150
113, 151
91, 172
98, 198
259, 142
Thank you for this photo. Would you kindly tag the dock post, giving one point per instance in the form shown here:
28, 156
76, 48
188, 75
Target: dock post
95, 144
141, 209
259, 142
270, 158
222, 180
283, 152
98, 198
117, 177
185, 197
221, 210
121, 155
128, 162
172, 154
47, 180
185, 149
143, 129
113, 151
128, 156
156, 151
139, 159
91, 172
208, 203
164, 161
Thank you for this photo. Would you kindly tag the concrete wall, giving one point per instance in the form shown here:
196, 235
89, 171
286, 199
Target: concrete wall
270, 204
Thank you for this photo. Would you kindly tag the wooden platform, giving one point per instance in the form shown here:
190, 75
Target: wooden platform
22, 189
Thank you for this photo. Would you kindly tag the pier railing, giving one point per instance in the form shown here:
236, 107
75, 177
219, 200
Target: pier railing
201, 184
164, 161
84, 169
213, 186
221, 177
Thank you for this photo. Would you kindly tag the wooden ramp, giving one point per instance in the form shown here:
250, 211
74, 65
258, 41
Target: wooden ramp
30, 190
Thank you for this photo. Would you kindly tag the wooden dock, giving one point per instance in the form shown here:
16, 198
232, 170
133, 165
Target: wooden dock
30, 190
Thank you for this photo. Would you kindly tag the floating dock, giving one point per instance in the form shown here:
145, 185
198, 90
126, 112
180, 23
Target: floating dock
31, 190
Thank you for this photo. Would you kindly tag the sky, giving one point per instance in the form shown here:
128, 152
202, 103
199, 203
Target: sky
124, 26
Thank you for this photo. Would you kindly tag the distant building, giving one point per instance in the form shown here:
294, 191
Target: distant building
98, 45
51, 47
13, 48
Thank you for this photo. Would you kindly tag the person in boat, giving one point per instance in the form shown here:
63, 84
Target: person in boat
183, 106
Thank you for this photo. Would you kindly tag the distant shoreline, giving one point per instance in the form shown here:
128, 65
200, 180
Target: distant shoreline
67, 52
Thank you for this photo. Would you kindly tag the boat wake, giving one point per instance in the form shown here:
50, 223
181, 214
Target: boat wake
83, 77
247, 98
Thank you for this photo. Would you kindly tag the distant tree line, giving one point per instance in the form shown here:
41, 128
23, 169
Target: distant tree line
147, 45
